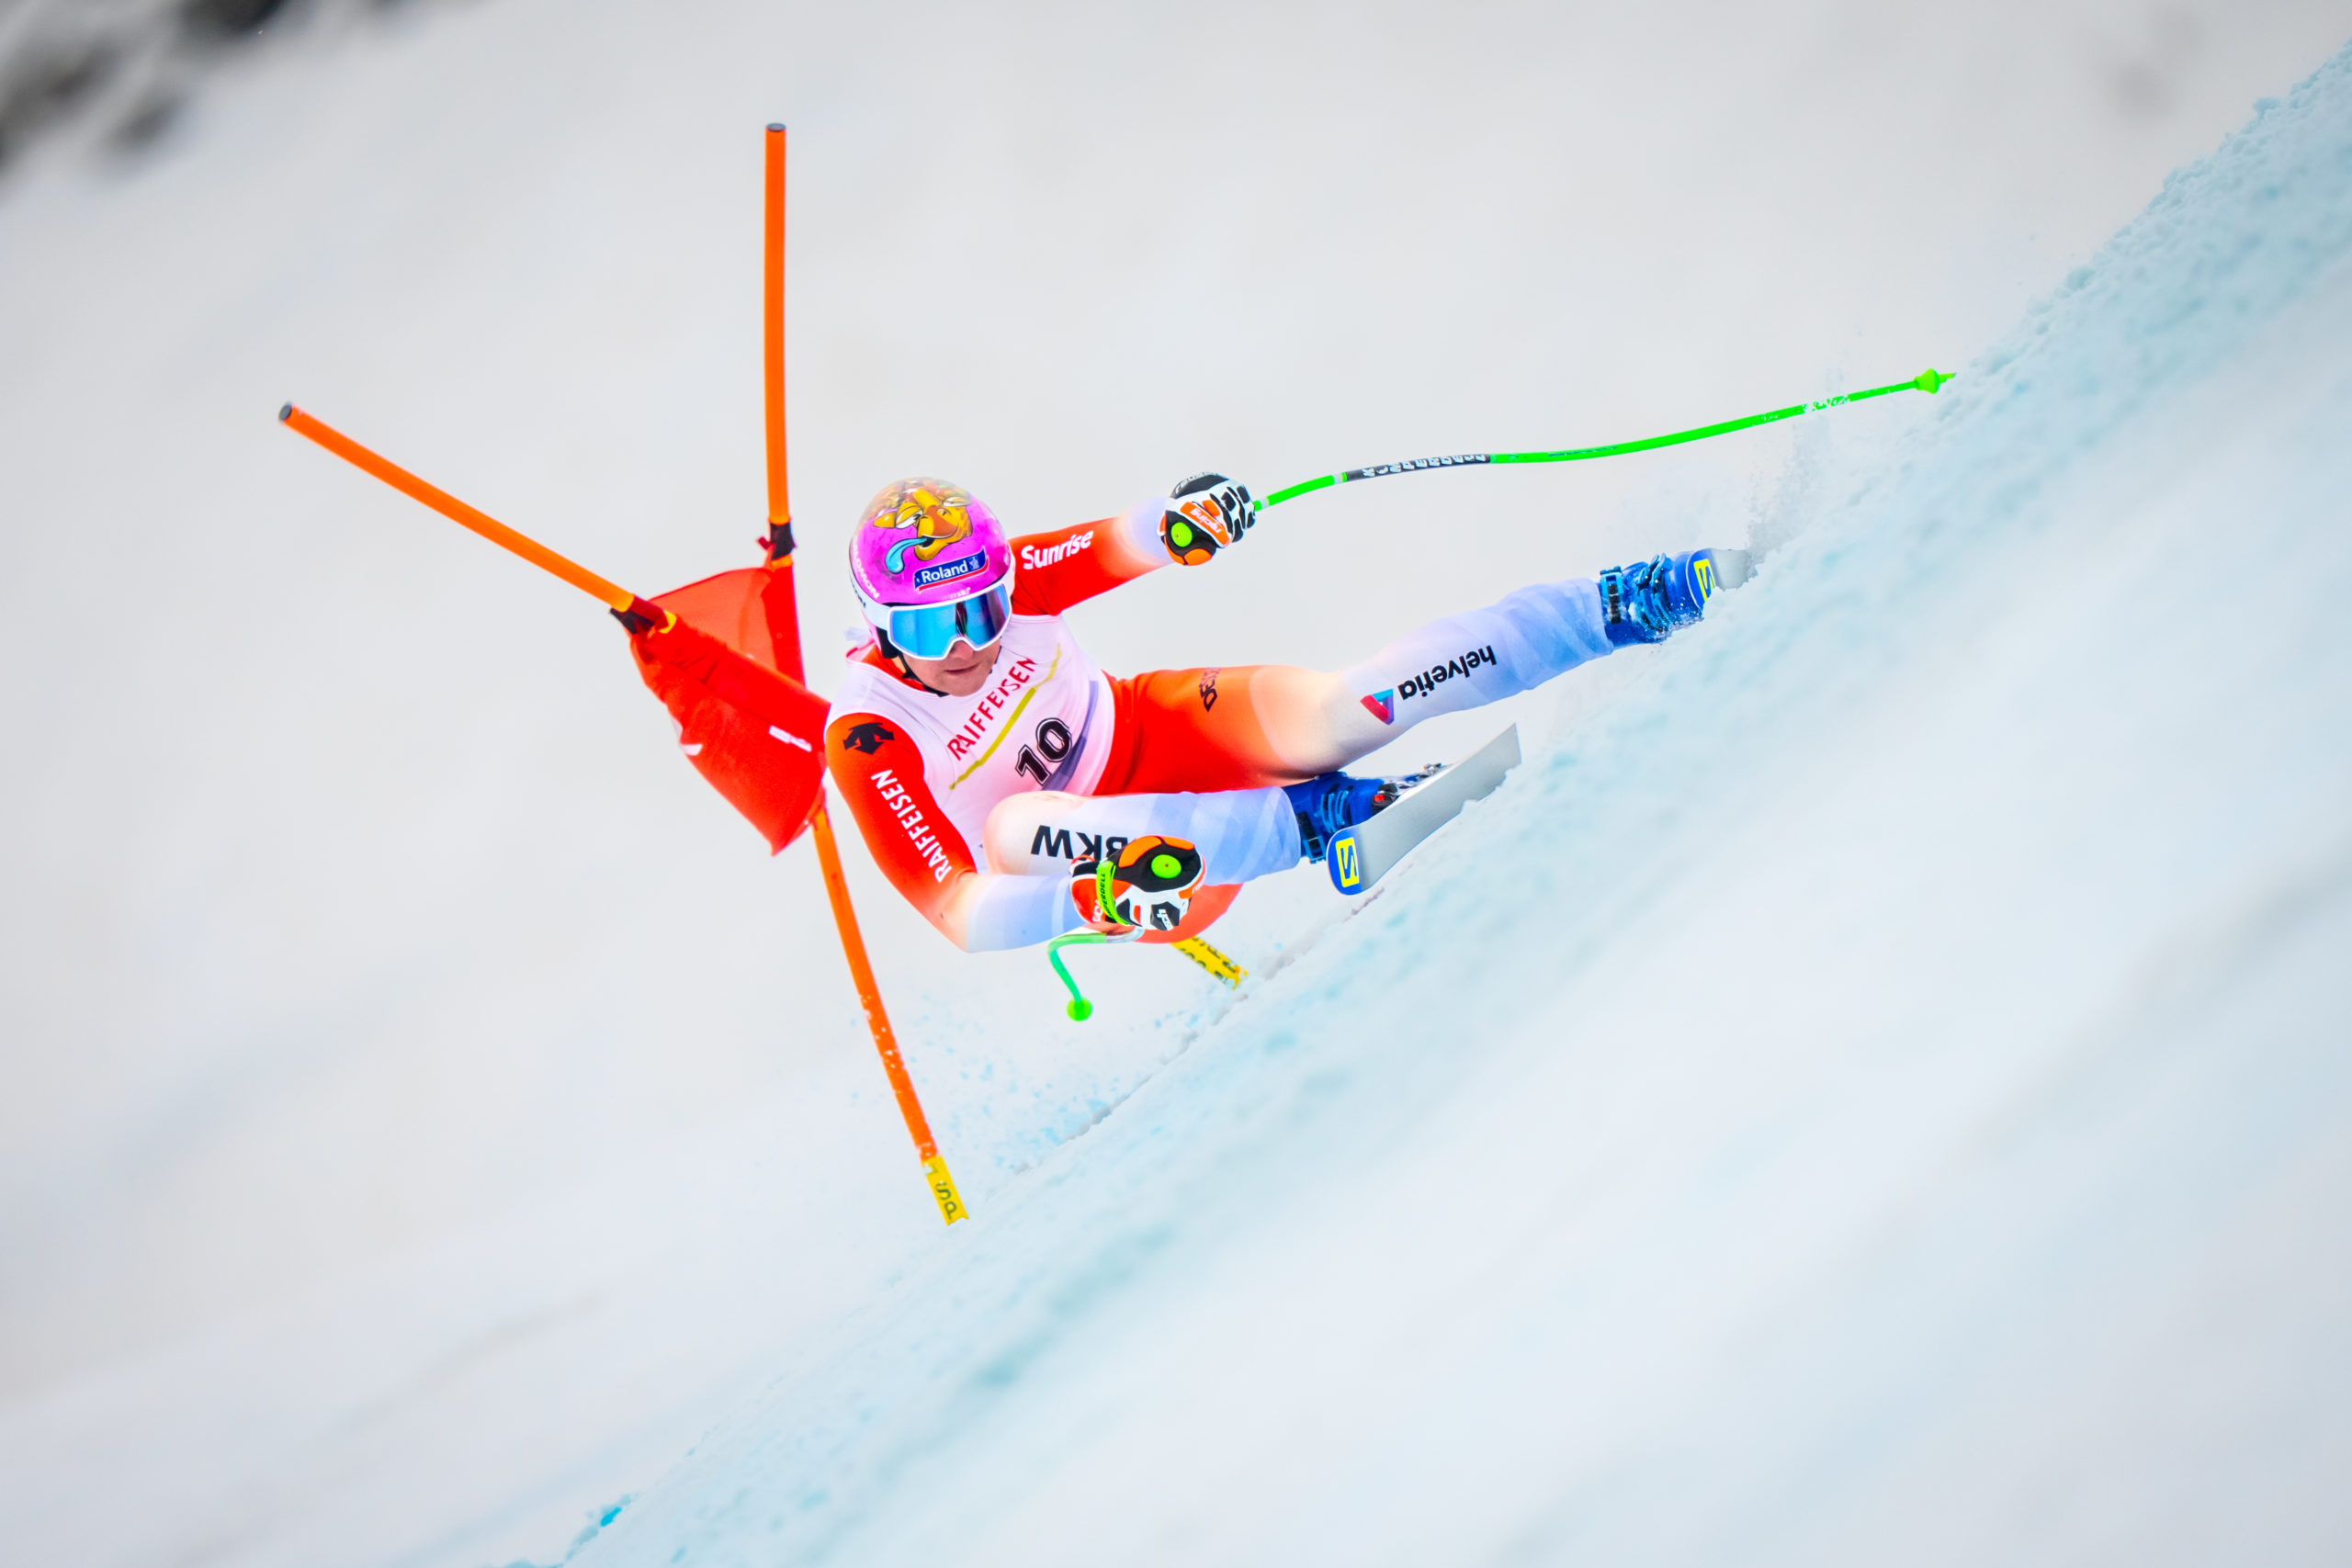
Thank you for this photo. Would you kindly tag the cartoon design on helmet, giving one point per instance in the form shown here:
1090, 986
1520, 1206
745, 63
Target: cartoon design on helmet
925, 541
939, 514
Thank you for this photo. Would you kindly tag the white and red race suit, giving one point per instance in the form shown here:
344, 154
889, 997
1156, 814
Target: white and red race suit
1198, 754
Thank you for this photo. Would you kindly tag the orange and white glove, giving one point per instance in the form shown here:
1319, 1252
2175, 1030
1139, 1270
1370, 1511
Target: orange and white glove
1211, 512
1148, 885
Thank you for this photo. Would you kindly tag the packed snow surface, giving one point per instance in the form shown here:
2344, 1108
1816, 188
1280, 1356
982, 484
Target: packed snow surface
1877, 1089
1870, 1089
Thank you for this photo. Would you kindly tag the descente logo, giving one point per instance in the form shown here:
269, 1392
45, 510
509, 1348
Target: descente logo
1032, 557
1454, 668
949, 571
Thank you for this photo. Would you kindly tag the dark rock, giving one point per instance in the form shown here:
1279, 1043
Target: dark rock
145, 125
227, 19
47, 87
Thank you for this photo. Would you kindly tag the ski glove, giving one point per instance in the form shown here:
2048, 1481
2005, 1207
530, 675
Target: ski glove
1148, 885
1211, 512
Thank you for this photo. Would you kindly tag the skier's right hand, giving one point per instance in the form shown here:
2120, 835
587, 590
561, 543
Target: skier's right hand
1147, 886
1211, 512
1085, 891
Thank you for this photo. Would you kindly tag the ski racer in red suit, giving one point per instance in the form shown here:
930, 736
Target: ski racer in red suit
1012, 791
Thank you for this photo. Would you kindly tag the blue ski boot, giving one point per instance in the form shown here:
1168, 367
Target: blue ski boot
1652, 599
1330, 803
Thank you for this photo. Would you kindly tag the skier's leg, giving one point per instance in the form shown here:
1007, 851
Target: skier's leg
1195, 741
1239, 834
1278, 724
1196, 750
1318, 721
1191, 731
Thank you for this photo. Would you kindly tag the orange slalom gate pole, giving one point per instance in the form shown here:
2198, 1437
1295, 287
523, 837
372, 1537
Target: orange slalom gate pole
623, 602
771, 342
934, 1166
780, 546
781, 590
620, 599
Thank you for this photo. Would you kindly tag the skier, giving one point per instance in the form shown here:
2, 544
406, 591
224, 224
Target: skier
1012, 791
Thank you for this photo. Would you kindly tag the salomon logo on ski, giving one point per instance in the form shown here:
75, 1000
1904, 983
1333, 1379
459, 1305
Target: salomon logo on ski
1347, 863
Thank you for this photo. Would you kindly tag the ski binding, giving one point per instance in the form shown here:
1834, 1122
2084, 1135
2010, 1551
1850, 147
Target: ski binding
1364, 853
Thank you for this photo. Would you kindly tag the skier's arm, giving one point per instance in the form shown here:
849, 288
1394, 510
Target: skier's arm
879, 772
1053, 571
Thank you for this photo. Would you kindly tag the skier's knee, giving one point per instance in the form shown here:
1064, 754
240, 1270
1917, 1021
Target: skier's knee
1017, 819
1307, 716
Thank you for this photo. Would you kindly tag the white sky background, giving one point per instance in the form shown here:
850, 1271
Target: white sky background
399, 1036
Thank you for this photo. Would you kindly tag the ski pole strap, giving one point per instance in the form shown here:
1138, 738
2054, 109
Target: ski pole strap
1105, 905
1079, 1008
1926, 381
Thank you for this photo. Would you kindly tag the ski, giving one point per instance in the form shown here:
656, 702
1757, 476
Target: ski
1369, 850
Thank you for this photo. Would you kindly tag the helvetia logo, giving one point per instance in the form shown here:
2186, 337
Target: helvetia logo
949, 571
1382, 706
1454, 668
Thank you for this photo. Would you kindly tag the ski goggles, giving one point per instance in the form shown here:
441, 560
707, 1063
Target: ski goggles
928, 631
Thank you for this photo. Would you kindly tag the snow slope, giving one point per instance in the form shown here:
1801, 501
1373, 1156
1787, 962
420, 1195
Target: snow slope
381, 1183
1879, 1089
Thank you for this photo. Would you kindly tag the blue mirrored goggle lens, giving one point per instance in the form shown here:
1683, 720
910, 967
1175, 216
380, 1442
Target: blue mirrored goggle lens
928, 631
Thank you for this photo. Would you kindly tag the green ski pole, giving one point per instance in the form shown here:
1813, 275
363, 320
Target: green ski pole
1926, 381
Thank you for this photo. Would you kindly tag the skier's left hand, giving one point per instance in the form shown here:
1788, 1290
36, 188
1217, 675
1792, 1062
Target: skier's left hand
1211, 512
1085, 891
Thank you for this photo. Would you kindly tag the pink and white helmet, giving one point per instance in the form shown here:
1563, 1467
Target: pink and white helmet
931, 565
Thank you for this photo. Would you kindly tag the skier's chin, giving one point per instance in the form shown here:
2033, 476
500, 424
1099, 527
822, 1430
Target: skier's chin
963, 672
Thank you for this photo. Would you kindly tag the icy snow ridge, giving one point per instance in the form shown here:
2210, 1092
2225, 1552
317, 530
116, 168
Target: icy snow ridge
1878, 1093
